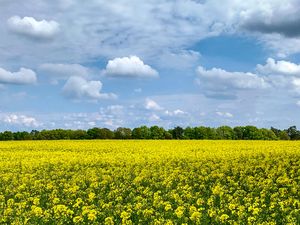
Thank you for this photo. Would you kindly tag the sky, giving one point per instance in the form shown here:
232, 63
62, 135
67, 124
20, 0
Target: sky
125, 63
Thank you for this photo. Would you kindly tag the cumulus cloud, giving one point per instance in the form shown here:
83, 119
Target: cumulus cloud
274, 23
295, 85
22, 77
20, 120
80, 88
160, 31
152, 105
225, 114
131, 66
227, 79
115, 109
219, 83
176, 112
154, 118
31, 27
279, 68
57, 72
273, 17
281, 74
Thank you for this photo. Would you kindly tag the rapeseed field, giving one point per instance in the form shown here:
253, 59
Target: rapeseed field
150, 182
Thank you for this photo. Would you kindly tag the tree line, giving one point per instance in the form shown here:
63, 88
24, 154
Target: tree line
156, 132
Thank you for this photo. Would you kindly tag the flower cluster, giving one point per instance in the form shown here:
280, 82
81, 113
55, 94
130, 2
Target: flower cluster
150, 182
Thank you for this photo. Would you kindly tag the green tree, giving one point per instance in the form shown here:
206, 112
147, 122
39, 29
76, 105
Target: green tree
252, 133
7, 136
293, 133
142, 132
239, 132
200, 133
189, 133
157, 132
122, 133
268, 134
177, 132
283, 135
225, 132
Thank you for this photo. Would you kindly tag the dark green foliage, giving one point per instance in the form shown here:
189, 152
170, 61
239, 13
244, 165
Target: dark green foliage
225, 132
177, 133
293, 133
100, 133
123, 133
159, 133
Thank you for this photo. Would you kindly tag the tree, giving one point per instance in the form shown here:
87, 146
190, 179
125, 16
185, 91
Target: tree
136, 133
145, 132
93, 133
177, 132
142, 132
34, 134
157, 132
168, 135
293, 133
275, 131
268, 134
239, 133
252, 133
200, 133
189, 133
106, 133
122, 133
22, 135
225, 132
283, 135
7, 136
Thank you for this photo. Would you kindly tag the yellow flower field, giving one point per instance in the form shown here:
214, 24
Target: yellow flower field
150, 182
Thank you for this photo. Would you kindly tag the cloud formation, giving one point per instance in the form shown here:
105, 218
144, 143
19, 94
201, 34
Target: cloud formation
224, 114
31, 27
22, 77
79, 88
273, 67
20, 120
162, 32
273, 17
219, 83
57, 72
152, 105
131, 66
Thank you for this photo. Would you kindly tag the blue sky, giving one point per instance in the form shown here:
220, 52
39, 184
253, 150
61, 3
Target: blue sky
73, 64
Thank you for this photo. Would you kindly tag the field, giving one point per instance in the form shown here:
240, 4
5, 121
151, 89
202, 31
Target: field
150, 182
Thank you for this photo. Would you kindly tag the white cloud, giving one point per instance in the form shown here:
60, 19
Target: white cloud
79, 88
295, 85
152, 105
21, 120
160, 31
225, 114
31, 27
116, 110
131, 66
154, 118
176, 112
57, 72
23, 76
281, 74
298, 103
279, 68
226, 79
180, 60
219, 83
